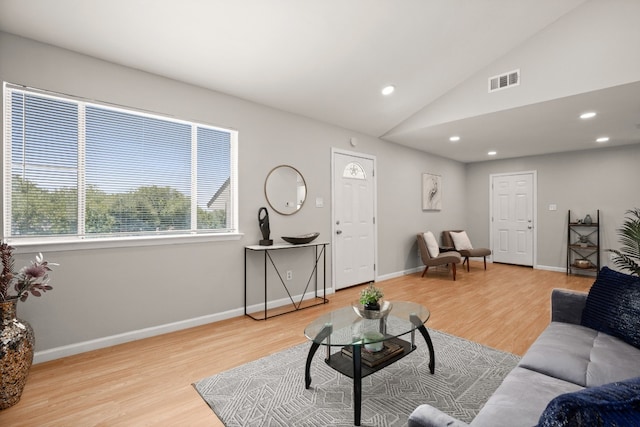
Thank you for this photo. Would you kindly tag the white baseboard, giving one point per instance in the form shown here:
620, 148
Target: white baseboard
418, 269
283, 301
98, 343
95, 344
550, 268
399, 274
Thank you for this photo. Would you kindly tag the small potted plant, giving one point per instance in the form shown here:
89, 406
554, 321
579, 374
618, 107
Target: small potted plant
370, 297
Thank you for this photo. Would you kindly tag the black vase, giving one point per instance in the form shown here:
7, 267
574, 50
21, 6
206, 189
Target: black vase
374, 306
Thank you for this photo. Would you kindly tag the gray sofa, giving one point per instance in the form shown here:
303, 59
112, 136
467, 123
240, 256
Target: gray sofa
567, 357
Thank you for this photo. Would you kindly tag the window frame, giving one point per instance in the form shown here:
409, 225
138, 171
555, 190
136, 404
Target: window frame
79, 241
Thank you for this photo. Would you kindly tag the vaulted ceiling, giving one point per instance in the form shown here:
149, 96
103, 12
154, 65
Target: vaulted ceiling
329, 60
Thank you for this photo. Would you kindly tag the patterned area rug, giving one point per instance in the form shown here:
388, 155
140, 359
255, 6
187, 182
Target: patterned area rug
270, 391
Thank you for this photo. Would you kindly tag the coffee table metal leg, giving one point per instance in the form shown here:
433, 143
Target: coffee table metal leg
307, 370
432, 357
357, 384
322, 335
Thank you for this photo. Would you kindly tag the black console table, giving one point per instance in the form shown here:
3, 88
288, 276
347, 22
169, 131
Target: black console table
319, 252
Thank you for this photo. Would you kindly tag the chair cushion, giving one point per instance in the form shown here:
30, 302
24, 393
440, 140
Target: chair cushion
461, 240
449, 257
613, 306
476, 252
432, 244
614, 404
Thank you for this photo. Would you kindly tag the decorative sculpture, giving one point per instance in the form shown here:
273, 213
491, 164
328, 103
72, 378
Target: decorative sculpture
263, 222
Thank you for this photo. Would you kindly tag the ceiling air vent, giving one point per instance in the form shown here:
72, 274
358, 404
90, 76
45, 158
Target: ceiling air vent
503, 81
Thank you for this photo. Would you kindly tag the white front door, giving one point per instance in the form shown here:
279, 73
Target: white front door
513, 218
353, 219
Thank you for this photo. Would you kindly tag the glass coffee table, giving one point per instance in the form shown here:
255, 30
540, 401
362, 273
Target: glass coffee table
367, 341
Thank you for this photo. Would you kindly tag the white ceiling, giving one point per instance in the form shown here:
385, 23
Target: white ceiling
329, 59
543, 128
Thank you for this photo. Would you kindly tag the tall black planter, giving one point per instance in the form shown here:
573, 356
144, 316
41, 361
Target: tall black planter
16, 353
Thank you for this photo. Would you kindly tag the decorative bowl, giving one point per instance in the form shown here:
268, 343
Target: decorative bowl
373, 341
302, 239
583, 263
385, 308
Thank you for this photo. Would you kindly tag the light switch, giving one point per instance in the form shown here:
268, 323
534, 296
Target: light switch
319, 202
553, 207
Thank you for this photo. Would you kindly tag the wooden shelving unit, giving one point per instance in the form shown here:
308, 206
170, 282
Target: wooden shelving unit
583, 244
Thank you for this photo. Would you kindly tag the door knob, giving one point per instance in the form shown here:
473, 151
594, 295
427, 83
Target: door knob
339, 232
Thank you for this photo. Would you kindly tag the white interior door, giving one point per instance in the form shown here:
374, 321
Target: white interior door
513, 218
353, 219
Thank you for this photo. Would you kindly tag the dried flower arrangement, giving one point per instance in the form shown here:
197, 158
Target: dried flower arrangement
31, 279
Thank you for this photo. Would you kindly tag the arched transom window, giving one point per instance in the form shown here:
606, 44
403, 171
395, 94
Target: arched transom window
355, 171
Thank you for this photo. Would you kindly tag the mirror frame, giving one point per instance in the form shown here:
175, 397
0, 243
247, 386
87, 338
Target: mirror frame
266, 195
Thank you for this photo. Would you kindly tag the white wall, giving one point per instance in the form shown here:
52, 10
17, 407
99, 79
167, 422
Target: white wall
582, 182
101, 293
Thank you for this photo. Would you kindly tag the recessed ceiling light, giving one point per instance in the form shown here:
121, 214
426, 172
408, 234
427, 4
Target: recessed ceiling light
454, 138
492, 153
588, 115
603, 139
388, 90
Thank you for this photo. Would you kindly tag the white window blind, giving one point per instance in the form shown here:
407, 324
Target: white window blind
80, 169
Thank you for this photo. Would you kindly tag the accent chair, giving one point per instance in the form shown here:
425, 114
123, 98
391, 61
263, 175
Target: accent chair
431, 255
460, 242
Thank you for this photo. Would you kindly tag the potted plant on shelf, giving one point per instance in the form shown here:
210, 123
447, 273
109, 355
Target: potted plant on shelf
628, 257
370, 297
16, 335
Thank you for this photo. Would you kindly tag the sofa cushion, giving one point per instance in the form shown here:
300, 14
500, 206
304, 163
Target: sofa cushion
612, 360
615, 404
562, 351
581, 355
521, 399
613, 306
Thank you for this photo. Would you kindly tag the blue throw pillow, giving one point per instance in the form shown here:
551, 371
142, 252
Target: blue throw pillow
615, 404
613, 306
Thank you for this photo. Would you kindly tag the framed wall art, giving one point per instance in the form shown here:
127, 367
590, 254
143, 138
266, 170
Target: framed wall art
431, 192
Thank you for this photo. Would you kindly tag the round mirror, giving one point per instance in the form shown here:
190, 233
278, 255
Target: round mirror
285, 190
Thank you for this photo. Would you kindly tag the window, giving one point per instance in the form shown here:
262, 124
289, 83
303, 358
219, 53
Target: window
354, 170
77, 170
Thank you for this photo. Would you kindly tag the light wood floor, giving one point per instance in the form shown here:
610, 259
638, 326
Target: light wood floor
148, 382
